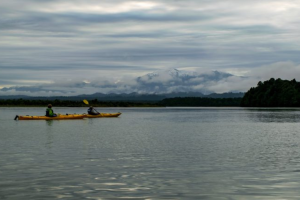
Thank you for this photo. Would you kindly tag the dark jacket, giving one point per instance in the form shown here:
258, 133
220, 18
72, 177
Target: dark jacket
92, 111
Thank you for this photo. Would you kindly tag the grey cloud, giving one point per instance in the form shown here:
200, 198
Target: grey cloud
44, 41
132, 16
158, 82
74, 66
66, 22
283, 70
30, 89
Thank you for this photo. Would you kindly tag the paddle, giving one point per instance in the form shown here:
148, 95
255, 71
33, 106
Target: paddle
87, 103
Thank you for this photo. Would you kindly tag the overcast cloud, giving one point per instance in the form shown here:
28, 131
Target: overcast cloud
85, 46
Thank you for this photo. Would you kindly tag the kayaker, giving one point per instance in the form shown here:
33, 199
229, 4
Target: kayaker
49, 111
92, 111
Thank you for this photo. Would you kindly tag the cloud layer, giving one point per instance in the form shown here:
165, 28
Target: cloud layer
67, 42
162, 81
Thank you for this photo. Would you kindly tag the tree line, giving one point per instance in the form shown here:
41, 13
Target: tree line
180, 101
273, 93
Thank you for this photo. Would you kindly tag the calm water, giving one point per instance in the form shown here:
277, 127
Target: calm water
155, 153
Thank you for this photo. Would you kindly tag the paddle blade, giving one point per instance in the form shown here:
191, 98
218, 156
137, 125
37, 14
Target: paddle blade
86, 102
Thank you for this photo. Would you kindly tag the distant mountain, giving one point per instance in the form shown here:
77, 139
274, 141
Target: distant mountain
129, 97
226, 95
15, 97
152, 86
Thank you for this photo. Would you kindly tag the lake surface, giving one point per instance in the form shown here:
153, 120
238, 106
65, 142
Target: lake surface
152, 153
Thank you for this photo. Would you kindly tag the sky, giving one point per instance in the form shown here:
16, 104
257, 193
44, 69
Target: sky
84, 46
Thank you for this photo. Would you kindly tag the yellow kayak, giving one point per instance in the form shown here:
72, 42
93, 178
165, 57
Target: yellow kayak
103, 115
58, 117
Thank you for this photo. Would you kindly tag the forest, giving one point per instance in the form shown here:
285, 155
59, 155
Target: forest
273, 93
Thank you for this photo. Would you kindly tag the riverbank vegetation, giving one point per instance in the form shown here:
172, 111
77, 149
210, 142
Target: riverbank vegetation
185, 101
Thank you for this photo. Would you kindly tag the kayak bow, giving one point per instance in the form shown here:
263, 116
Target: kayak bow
103, 115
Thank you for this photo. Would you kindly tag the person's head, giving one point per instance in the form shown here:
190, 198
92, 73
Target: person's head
91, 107
49, 106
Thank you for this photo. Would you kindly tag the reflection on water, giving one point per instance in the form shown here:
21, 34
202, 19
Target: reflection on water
165, 153
49, 122
274, 115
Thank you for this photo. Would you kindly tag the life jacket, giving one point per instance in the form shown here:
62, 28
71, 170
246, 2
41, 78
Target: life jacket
49, 112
